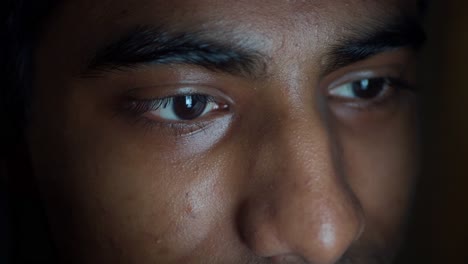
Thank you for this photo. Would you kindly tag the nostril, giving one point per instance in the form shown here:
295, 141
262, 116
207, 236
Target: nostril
258, 231
289, 258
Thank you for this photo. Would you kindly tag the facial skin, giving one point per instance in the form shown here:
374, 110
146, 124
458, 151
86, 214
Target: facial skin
284, 163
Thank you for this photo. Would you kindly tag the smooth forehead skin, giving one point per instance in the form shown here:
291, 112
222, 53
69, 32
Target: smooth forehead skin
286, 174
306, 25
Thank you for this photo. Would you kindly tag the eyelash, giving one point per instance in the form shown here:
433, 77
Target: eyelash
395, 84
400, 84
139, 107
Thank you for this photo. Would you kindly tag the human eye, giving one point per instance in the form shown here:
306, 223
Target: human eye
182, 113
179, 108
366, 92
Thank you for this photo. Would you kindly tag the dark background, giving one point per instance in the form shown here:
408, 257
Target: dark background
439, 227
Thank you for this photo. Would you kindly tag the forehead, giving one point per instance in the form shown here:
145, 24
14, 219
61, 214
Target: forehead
80, 27
225, 7
274, 14
243, 15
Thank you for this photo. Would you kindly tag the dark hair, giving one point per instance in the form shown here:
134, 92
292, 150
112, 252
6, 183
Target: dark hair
21, 25
23, 21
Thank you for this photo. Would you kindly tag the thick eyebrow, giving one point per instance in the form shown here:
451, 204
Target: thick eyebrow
366, 42
148, 45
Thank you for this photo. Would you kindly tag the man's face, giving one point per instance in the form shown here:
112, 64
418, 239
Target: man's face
216, 131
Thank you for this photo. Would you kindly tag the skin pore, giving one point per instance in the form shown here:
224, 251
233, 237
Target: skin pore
226, 131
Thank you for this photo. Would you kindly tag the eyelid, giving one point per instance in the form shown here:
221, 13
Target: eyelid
388, 81
142, 111
365, 74
139, 102
160, 92
154, 104
395, 72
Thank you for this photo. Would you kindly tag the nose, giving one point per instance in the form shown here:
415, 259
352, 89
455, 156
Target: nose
301, 206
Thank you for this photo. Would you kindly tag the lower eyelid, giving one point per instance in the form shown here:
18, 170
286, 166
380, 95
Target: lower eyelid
368, 105
173, 128
179, 128
131, 108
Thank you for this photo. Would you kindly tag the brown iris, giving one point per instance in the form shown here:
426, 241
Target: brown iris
189, 107
368, 88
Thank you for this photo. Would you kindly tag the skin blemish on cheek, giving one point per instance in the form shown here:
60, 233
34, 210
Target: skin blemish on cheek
159, 243
196, 208
189, 207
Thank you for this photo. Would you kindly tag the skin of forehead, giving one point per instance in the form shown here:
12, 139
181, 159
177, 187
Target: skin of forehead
263, 24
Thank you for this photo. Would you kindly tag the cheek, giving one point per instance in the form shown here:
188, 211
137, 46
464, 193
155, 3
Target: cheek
138, 206
132, 196
117, 191
153, 206
381, 164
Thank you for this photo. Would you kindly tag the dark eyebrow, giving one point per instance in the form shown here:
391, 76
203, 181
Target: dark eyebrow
148, 45
382, 36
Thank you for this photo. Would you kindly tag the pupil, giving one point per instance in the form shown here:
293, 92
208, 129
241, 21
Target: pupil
188, 107
368, 88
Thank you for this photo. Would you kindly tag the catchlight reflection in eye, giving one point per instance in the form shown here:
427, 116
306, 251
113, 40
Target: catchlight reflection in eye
361, 89
184, 107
